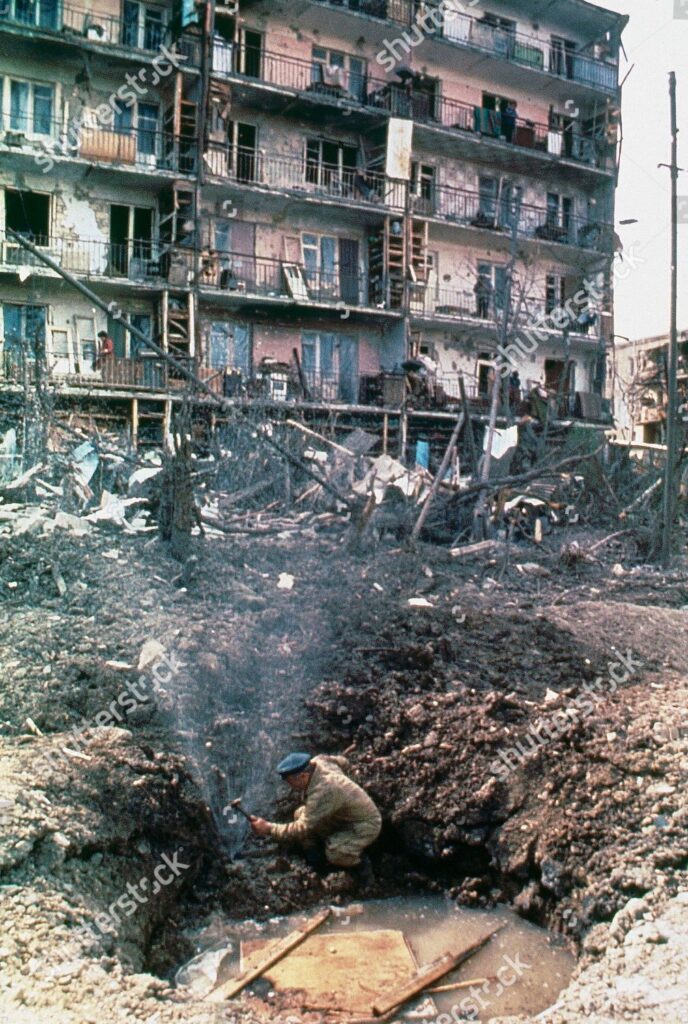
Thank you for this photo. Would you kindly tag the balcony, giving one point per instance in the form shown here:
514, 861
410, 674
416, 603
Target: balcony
473, 209
139, 261
144, 149
79, 25
542, 52
335, 85
485, 308
241, 276
300, 176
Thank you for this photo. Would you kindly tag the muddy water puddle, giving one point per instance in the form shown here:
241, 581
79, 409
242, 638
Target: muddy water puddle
521, 970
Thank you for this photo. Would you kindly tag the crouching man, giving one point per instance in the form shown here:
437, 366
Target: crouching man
336, 821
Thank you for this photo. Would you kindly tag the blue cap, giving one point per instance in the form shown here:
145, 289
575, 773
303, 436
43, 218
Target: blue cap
293, 763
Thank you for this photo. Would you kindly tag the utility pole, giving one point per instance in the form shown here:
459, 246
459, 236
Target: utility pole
669, 499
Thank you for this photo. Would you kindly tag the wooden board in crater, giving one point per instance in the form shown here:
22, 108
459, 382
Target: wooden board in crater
339, 971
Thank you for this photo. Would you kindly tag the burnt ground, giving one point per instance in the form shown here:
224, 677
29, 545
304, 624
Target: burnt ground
424, 698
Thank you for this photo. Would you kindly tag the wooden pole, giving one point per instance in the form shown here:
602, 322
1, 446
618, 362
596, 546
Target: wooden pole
438, 478
275, 952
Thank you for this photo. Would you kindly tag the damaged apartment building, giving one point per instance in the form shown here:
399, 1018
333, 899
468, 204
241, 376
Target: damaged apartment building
296, 198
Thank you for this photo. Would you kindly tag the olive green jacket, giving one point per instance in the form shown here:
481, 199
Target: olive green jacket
333, 802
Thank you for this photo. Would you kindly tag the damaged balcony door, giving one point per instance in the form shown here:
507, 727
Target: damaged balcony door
24, 336
131, 242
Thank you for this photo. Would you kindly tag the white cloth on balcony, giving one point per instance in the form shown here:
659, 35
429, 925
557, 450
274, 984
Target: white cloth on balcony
554, 143
457, 27
222, 55
335, 76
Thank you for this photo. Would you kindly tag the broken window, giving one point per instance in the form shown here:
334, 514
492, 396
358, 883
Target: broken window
148, 118
555, 292
31, 107
131, 241
330, 364
143, 26
331, 165
251, 54
336, 72
28, 213
243, 146
423, 178
229, 345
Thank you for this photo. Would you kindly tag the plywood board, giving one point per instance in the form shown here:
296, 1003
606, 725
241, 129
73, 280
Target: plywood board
399, 148
344, 971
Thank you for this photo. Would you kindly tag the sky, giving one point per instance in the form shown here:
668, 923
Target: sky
656, 42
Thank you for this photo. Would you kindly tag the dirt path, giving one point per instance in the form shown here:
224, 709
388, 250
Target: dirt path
439, 704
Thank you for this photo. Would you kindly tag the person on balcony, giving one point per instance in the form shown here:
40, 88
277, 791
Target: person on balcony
105, 357
509, 121
483, 296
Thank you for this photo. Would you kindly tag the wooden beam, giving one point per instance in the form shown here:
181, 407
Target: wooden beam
453, 441
276, 952
390, 1000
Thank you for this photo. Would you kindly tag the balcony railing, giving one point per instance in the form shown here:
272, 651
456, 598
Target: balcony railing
74, 23
241, 275
531, 51
357, 87
143, 148
473, 209
139, 260
254, 167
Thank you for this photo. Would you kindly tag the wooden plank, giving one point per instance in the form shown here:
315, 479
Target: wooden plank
276, 952
427, 975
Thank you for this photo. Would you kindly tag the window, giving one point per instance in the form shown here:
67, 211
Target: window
423, 186
331, 165
39, 13
487, 198
555, 292
143, 26
251, 54
147, 126
335, 72
229, 345
144, 323
30, 107
559, 212
320, 262
243, 144
330, 364
131, 242
28, 213
24, 333
491, 289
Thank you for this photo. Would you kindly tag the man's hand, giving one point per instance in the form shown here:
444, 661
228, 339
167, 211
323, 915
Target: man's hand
260, 826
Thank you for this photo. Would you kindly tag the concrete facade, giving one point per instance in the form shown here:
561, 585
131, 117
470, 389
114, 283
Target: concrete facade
348, 181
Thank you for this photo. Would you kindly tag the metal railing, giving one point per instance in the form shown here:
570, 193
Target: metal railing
357, 87
550, 54
143, 148
473, 209
137, 260
74, 23
240, 274
255, 167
